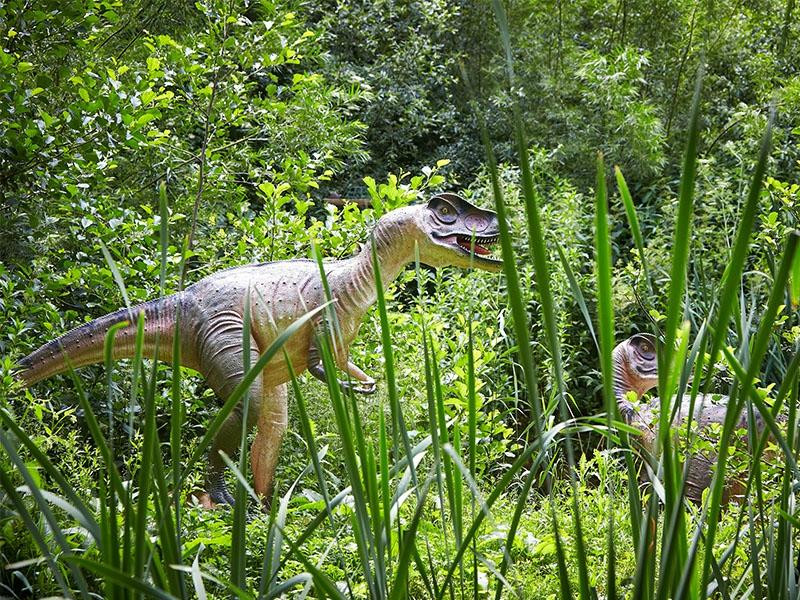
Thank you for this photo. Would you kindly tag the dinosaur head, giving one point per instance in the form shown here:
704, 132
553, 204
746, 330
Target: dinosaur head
448, 223
635, 364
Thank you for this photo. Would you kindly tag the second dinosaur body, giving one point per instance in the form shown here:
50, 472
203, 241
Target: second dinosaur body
447, 230
635, 370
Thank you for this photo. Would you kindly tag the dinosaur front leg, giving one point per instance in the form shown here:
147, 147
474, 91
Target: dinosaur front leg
317, 369
267, 444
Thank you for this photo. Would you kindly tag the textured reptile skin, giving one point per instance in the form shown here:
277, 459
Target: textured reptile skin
634, 372
211, 323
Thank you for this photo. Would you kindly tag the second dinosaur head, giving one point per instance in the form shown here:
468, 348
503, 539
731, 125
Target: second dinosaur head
635, 364
455, 232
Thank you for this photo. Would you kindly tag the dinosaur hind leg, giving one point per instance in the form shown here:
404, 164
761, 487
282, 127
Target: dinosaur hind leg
267, 444
224, 371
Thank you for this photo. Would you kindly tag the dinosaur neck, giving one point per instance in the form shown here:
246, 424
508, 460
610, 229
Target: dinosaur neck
623, 383
393, 238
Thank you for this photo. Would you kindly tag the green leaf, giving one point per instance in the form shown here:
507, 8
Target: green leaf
795, 287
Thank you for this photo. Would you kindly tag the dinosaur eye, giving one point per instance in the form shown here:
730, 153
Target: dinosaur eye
646, 350
443, 211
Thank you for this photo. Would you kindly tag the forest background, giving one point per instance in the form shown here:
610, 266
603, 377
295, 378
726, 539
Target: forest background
251, 114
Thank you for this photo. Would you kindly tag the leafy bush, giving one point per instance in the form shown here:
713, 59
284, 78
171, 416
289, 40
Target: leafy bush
492, 462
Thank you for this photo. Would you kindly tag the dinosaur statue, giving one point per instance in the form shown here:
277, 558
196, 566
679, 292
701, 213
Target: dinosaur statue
636, 370
447, 229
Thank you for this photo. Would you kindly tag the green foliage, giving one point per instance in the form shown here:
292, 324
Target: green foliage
461, 477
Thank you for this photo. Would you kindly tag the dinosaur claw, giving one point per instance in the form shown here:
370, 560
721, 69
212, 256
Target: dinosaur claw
366, 388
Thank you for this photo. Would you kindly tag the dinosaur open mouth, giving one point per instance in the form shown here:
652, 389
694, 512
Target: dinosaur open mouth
478, 248
467, 244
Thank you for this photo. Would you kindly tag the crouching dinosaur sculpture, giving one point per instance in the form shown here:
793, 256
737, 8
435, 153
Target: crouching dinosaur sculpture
211, 323
636, 370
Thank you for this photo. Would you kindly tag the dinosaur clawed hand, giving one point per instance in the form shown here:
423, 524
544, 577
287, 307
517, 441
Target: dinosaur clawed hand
364, 387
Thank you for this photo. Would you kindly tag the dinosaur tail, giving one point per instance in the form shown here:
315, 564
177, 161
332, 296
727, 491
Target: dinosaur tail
85, 345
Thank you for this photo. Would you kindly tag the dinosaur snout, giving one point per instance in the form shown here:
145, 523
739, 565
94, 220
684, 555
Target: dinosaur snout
477, 223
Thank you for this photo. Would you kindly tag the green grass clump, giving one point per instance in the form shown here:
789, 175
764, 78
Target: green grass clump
417, 510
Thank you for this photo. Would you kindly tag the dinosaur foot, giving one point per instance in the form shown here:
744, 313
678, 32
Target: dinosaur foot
221, 495
212, 499
252, 513
202, 499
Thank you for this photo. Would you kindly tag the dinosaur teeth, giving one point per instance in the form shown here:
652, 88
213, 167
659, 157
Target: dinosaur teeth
467, 244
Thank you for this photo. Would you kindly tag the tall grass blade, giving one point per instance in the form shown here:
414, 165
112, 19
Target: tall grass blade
31, 526
277, 524
385, 538
429, 356
577, 293
682, 232
795, 289
515, 298
352, 444
539, 254
112, 550
730, 285
731, 278
399, 432
399, 587
170, 550
115, 273
522, 460
757, 353
633, 223
238, 537
177, 409
141, 558
605, 321
673, 561
472, 427
308, 436
443, 437
197, 576
241, 478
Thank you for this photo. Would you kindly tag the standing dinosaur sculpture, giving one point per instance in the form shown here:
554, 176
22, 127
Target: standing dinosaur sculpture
447, 230
636, 370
